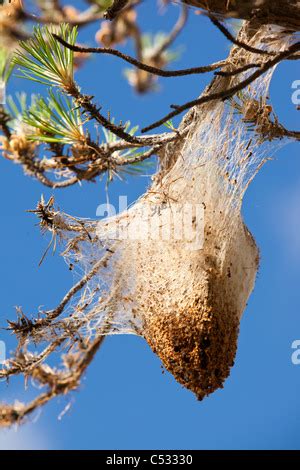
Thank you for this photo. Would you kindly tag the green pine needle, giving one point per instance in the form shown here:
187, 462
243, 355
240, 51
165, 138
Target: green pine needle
111, 137
103, 4
152, 42
130, 154
16, 108
169, 124
55, 120
43, 59
6, 65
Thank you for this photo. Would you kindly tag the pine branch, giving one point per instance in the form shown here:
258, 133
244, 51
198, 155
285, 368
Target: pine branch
150, 68
225, 94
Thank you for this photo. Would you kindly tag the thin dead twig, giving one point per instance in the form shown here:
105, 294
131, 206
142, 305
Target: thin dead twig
180, 24
58, 384
235, 41
150, 68
226, 93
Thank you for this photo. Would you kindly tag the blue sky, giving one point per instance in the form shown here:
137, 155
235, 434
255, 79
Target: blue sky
125, 401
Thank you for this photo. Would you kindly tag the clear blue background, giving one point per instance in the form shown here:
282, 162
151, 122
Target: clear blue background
124, 401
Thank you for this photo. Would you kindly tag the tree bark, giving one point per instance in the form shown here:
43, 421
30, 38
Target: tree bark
284, 13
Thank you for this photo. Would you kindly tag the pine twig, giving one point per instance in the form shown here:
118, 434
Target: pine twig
225, 94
